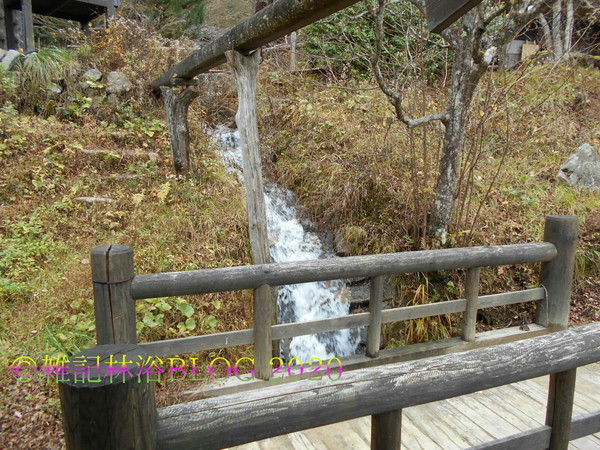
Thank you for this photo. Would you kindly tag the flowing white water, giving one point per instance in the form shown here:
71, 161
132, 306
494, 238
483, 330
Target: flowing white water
289, 241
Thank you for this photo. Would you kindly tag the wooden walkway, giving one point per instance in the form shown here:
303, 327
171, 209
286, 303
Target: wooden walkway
459, 422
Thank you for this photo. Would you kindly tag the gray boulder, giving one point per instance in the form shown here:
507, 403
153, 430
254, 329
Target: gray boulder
582, 169
117, 83
92, 75
10, 58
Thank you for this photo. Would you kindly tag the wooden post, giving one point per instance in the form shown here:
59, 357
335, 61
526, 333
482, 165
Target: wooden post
112, 273
28, 39
386, 430
108, 408
3, 36
176, 107
472, 295
553, 312
559, 411
375, 307
245, 69
12, 40
293, 43
557, 275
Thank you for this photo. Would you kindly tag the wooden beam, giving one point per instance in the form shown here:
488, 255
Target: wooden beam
442, 14
279, 274
238, 418
268, 24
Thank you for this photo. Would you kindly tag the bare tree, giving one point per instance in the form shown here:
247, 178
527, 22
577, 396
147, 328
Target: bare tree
558, 32
491, 24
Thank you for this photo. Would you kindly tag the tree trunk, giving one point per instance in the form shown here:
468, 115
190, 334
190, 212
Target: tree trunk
465, 78
557, 40
176, 107
569, 21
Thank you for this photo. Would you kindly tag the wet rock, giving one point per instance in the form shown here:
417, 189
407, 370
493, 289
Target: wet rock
582, 169
117, 83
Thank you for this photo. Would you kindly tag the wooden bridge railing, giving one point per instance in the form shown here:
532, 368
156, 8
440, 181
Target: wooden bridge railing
116, 288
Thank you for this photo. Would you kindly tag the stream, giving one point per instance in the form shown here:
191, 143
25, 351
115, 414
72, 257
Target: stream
291, 241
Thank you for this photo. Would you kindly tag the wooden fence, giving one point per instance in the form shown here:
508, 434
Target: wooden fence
116, 415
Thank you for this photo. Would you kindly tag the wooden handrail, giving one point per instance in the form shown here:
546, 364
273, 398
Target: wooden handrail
239, 418
278, 274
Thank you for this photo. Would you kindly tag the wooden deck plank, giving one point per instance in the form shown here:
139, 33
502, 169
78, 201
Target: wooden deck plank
459, 422
428, 423
413, 438
508, 399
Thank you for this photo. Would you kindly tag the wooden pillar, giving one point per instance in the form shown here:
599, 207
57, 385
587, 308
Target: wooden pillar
375, 307
557, 275
176, 107
559, 412
112, 274
28, 38
293, 44
3, 41
553, 312
107, 400
386, 429
472, 295
245, 69
12, 40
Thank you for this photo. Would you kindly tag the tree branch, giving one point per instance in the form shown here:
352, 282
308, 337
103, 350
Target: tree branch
394, 97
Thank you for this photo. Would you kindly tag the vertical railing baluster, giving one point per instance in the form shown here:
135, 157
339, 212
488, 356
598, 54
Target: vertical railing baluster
263, 346
375, 307
472, 295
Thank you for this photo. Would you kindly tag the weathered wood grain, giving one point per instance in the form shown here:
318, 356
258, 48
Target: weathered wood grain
557, 274
442, 14
108, 410
292, 407
245, 70
386, 430
176, 108
561, 394
472, 296
112, 274
278, 274
268, 24
375, 308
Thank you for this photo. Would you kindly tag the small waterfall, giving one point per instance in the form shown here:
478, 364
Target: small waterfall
290, 241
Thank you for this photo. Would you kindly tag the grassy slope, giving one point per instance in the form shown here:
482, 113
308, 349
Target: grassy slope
371, 181
46, 299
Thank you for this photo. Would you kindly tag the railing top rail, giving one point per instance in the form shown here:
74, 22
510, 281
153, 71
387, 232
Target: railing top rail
238, 418
278, 274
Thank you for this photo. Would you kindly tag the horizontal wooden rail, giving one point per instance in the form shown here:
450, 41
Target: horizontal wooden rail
539, 438
239, 418
267, 25
278, 274
234, 338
